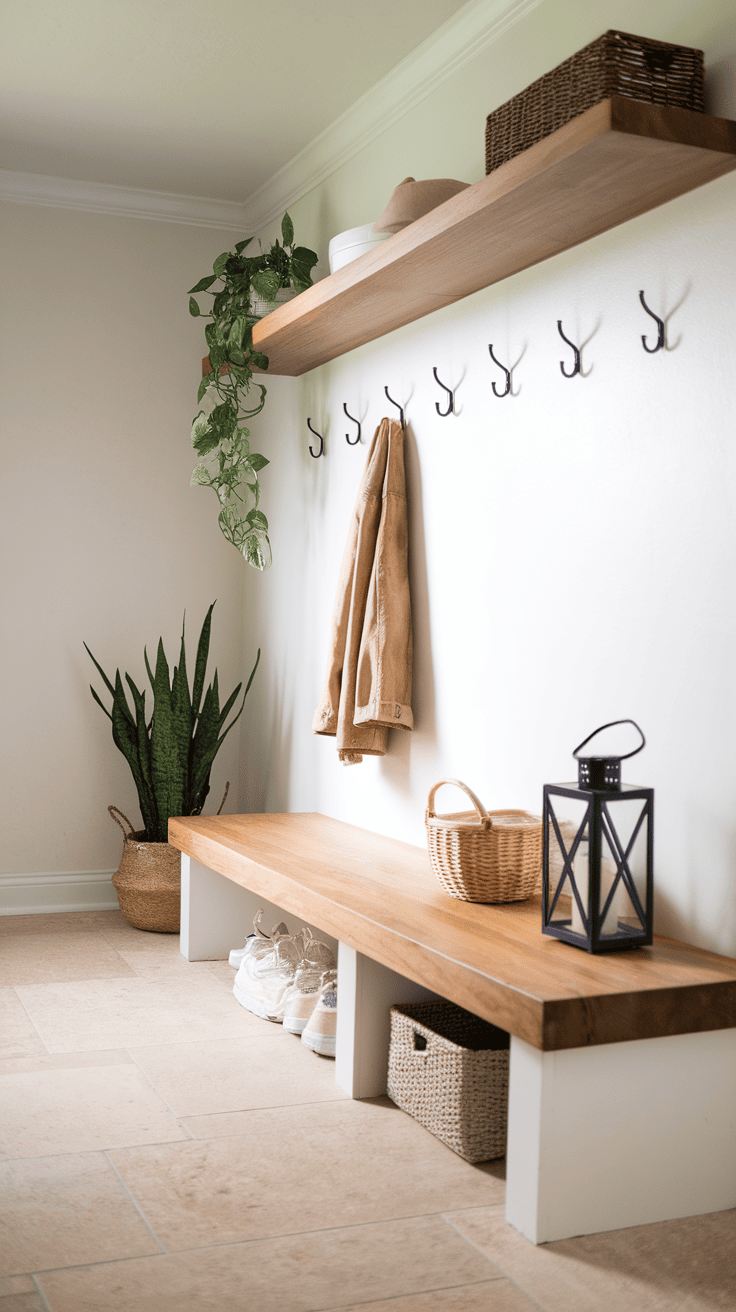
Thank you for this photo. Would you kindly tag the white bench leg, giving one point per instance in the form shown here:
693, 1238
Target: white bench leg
618, 1135
216, 914
365, 993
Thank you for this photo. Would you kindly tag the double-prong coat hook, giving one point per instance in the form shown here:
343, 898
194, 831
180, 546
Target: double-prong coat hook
351, 441
576, 367
451, 407
316, 454
400, 408
507, 372
660, 329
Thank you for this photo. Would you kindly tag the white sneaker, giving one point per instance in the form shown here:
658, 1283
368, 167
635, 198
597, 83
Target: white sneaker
320, 1032
302, 995
237, 954
267, 969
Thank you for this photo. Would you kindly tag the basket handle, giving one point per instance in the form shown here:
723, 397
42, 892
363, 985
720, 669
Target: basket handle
113, 810
456, 783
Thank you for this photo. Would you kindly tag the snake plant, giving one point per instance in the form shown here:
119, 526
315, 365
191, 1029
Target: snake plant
171, 754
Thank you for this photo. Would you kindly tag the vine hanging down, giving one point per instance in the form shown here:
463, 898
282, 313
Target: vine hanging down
229, 394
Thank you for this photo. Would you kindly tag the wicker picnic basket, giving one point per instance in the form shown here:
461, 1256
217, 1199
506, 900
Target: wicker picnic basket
616, 64
484, 856
148, 881
450, 1071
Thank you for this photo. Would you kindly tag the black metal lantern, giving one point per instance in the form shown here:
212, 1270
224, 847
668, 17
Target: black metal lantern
598, 885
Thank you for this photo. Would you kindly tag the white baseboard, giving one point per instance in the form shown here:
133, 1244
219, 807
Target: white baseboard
67, 890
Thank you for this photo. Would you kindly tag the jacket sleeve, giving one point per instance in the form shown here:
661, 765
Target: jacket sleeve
383, 686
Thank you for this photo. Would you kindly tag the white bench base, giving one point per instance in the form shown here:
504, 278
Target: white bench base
599, 1138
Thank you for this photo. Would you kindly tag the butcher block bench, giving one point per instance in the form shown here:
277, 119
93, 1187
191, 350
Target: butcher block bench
622, 1097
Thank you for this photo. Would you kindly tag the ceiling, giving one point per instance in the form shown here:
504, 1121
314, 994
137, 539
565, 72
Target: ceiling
200, 97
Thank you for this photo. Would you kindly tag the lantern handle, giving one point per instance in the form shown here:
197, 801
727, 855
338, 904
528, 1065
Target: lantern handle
611, 725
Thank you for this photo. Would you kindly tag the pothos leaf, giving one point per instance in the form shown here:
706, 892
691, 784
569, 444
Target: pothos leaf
194, 309
219, 264
203, 284
287, 230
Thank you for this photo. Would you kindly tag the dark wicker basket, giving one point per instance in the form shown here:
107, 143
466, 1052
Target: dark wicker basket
617, 64
450, 1071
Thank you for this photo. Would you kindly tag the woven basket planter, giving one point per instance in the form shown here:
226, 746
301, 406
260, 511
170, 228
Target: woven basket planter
616, 64
148, 881
484, 856
450, 1071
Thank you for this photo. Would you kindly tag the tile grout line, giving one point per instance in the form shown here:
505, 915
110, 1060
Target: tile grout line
436, 1289
41, 1295
137, 1207
31, 1021
522, 1289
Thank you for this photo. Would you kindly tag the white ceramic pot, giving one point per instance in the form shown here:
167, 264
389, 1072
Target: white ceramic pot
349, 245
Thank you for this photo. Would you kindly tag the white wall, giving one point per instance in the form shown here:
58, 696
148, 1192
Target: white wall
572, 546
102, 538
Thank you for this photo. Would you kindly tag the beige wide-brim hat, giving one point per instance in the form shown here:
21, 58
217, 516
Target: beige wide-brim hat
411, 199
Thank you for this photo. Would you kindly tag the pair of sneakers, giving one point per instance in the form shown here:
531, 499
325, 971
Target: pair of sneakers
290, 979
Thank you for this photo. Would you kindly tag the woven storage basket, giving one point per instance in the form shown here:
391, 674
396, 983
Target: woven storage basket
484, 856
450, 1071
148, 881
617, 64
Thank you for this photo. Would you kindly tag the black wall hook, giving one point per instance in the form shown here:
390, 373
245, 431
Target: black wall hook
400, 408
316, 454
507, 372
451, 407
576, 367
660, 329
355, 440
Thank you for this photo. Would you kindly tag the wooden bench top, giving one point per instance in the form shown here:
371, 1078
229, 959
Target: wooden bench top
380, 896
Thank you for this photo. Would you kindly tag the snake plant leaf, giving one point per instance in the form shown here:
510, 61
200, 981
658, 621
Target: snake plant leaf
149, 671
204, 746
144, 749
168, 776
99, 702
229, 706
101, 673
181, 711
125, 737
200, 664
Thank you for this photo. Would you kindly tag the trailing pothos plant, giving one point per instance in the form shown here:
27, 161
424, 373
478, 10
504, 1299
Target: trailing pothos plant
229, 392
170, 752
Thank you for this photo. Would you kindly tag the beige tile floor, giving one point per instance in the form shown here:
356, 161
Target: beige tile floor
161, 1149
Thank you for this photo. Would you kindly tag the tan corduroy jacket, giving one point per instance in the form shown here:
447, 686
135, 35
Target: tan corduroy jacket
368, 686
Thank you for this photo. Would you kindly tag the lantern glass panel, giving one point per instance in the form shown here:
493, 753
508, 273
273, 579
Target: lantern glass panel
623, 868
624, 859
572, 816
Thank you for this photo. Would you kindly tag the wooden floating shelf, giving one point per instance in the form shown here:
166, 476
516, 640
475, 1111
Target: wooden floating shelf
617, 160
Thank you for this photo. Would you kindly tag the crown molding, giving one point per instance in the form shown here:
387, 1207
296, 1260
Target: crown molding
128, 202
469, 32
